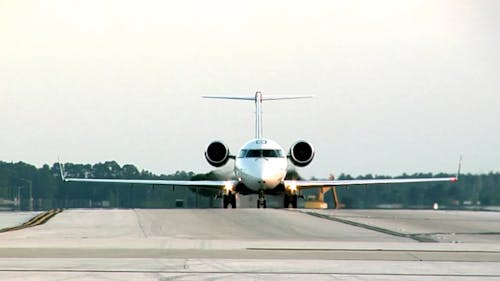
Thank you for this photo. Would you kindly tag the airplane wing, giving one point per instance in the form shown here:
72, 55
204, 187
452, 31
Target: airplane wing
214, 184
205, 183
305, 184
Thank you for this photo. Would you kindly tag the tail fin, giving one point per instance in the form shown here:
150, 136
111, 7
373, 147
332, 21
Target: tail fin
258, 98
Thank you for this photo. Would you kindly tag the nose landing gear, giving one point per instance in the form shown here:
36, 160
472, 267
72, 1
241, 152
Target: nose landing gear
261, 202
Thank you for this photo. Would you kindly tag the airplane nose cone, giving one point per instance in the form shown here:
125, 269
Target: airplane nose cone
269, 175
262, 173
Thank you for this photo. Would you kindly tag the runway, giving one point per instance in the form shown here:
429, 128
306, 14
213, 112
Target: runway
252, 244
11, 219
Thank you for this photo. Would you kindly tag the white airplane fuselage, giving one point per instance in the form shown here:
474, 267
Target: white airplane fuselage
261, 164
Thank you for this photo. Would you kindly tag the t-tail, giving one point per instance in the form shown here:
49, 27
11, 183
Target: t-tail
258, 99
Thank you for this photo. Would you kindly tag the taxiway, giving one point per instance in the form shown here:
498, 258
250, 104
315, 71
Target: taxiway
253, 244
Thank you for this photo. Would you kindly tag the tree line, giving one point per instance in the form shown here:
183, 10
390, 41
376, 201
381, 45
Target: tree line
24, 186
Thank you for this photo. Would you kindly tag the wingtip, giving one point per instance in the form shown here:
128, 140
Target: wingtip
459, 168
61, 170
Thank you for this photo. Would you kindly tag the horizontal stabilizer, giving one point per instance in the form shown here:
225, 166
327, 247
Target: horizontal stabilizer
286, 97
228, 98
264, 98
258, 98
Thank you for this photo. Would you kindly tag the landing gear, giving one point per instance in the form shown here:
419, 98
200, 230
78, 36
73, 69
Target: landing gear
261, 202
290, 199
229, 198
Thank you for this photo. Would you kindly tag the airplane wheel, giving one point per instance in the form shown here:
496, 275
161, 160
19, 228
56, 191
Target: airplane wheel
225, 201
233, 201
263, 205
290, 199
261, 201
294, 201
286, 202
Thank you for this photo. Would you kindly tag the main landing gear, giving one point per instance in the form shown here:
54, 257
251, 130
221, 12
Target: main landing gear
229, 198
290, 199
261, 202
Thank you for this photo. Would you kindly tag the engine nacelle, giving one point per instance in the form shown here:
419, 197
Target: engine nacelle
217, 154
301, 153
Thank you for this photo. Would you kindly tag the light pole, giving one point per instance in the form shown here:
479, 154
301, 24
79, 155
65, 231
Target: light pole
30, 185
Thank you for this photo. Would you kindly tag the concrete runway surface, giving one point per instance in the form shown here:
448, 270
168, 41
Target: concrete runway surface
11, 219
253, 244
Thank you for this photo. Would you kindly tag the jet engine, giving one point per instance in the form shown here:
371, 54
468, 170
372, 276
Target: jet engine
217, 154
301, 153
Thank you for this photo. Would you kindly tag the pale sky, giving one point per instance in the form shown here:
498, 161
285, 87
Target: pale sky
400, 86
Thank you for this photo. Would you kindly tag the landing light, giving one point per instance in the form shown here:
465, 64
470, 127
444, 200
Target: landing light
292, 187
228, 186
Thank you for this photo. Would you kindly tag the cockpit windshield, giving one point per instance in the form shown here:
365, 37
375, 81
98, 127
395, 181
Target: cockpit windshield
261, 153
253, 153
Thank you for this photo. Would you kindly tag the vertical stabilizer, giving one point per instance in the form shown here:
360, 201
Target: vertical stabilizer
258, 99
258, 115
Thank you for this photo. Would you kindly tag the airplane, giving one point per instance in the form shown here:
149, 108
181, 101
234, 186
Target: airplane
260, 166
